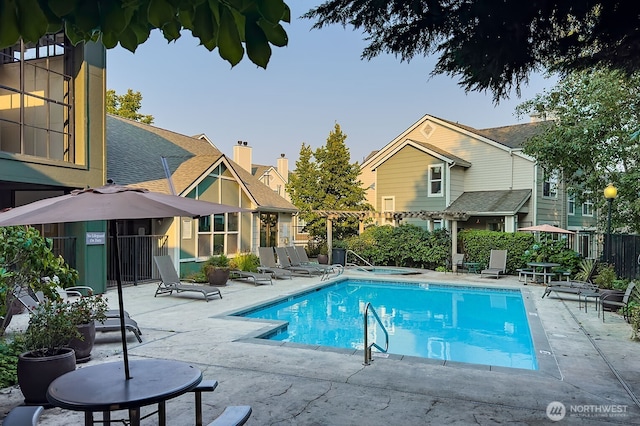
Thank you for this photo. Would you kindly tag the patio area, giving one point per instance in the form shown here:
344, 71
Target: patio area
595, 370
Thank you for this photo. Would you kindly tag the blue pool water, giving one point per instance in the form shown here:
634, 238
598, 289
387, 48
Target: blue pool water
479, 326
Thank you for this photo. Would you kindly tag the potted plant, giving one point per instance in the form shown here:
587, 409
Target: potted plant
323, 255
217, 270
84, 312
25, 258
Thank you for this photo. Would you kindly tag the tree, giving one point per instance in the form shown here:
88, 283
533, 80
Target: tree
495, 45
127, 106
230, 25
325, 180
594, 138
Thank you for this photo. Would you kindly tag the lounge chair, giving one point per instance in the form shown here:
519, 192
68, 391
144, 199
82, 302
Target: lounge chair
497, 264
573, 286
72, 293
256, 277
108, 325
268, 264
298, 257
171, 281
606, 302
285, 262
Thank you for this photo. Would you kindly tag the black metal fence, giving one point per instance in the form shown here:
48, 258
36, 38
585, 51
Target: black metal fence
625, 255
65, 247
136, 258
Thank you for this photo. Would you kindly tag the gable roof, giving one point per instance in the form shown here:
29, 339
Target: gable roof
134, 152
507, 202
516, 135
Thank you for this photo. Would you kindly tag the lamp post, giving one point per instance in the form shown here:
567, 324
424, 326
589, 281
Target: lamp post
610, 193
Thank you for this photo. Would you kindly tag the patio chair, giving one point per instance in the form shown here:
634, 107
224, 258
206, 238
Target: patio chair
297, 258
256, 277
108, 325
285, 262
23, 415
606, 302
573, 286
457, 261
268, 264
72, 293
170, 281
497, 264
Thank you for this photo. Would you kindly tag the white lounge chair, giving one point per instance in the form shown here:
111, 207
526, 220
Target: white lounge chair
171, 281
497, 264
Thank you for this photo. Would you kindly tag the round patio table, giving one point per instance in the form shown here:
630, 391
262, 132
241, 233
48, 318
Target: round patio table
103, 388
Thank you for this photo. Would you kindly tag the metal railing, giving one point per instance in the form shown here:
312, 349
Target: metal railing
368, 356
136, 258
362, 259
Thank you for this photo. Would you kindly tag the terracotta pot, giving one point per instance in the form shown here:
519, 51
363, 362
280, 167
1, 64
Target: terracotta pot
218, 276
35, 374
323, 259
84, 346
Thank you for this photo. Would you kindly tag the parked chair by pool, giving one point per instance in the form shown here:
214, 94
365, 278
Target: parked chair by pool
170, 281
570, 287
284, 262
457, 262
497, 264
296, 258
606, 302
268, 264
256, 277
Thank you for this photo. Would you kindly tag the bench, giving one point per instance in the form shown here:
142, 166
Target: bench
523, 272
203, 386
546, 276
23, 415
233, 415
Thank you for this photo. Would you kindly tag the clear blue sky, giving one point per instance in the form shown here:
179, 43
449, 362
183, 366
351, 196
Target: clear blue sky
316, 81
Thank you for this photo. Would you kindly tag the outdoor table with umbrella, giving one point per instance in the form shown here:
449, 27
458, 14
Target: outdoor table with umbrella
81, 390
545, 266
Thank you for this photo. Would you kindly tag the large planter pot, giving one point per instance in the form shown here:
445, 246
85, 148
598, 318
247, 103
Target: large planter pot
611, 296
35, 374
218, 276
84, 346
323, 259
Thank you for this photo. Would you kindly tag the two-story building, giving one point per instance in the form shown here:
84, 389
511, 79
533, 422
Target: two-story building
438, 173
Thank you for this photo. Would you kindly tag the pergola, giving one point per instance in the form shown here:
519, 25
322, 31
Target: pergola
362, 215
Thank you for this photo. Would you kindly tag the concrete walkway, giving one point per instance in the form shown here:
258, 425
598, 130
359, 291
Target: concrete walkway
591, 368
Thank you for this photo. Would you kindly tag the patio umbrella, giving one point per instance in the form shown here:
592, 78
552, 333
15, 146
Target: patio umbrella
546, 228
111, 202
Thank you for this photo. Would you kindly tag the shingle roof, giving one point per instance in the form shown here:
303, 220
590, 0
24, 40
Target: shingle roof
134, 152
512, 136
491, 202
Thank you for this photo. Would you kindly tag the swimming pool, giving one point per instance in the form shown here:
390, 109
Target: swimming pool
465, 324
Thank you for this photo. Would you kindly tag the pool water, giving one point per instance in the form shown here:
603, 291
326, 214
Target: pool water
465, 324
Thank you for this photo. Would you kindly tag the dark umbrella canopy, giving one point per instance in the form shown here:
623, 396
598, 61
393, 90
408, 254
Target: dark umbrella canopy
112, 202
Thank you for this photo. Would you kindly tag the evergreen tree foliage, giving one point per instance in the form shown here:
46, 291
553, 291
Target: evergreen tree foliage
127, 106
593, 139
326, 180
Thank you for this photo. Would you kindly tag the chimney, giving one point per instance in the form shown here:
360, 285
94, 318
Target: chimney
283, 167
242, 155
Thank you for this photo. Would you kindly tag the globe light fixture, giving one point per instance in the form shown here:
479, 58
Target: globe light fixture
610, 193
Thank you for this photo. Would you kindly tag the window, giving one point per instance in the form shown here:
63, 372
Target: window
36, 96
571, 207
388, 204
435, 180
587, 208
550, 185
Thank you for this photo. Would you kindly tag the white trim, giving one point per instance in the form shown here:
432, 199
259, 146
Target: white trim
430, 181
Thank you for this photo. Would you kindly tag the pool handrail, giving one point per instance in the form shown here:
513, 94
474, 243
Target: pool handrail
368, 357
358, 256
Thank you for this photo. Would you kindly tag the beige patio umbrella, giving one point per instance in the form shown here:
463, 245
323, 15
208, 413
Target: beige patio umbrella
111, 202
546, 228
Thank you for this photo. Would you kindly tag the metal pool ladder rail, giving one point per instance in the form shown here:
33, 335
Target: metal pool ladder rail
367, 347
363, 260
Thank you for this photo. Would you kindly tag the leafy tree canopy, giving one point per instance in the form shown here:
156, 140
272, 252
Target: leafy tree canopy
325, 180
127, 106
230, 25
594, 138
494, 45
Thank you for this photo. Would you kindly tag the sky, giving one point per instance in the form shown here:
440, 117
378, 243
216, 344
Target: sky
316, 81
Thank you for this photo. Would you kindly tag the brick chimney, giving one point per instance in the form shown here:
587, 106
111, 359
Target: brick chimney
283, 167
242, 155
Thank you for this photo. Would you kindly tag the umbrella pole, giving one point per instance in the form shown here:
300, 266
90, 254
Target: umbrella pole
123, 333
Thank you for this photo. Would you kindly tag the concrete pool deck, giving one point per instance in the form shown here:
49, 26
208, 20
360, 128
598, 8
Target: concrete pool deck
592, 368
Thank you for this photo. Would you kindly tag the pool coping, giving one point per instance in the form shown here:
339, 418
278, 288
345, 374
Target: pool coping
545, 357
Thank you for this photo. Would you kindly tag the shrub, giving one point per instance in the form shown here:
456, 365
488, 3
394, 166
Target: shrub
9, 351
245, 262
606, 276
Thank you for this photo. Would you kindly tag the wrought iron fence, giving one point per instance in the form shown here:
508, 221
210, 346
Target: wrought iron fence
65, 247
136, 258
625, 255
